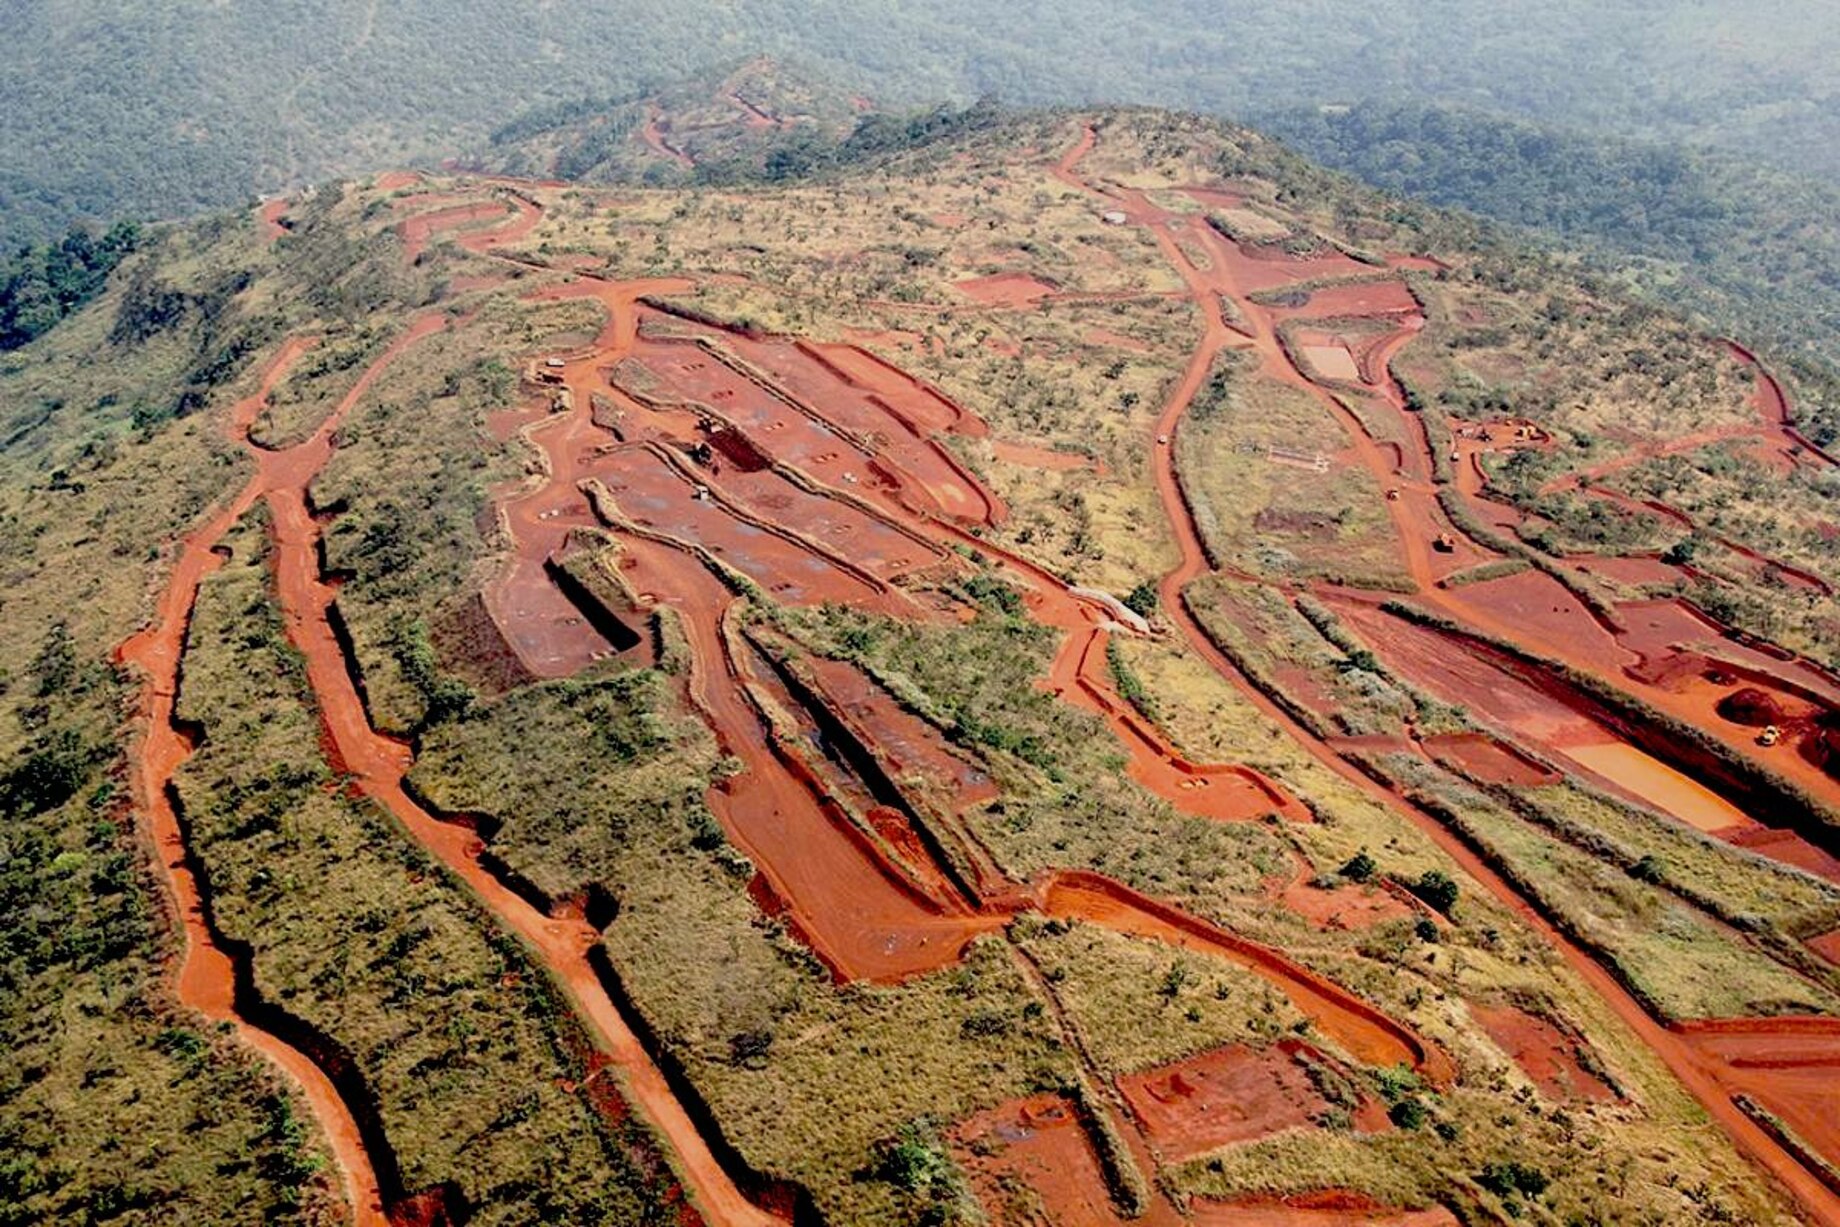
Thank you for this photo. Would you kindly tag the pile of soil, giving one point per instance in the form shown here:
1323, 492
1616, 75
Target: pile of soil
1823, 749
1751, 706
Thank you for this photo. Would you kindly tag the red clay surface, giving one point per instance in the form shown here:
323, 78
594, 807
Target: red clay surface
1546, 1054
811, 471
273, 216
1347, 906
1788, 1066
1230, 1095
1827, 945
206, 974
861, 911
814, 473
1005, 289
1363, 1031
1333, 1208
1228, 792
1039, 1144
1031, 456
1232, 274
1489, 760
375, 765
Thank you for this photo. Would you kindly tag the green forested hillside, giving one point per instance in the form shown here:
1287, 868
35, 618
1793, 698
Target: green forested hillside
1752, 247
156, 107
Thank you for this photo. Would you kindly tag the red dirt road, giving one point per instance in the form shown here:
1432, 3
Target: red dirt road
1040, 1145
1231, 1095
207, 977
1700, 1078
376, 765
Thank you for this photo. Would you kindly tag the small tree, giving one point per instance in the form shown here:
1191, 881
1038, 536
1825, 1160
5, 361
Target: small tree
1142, 600
1360, 867
1649, 869
1407, 1114
1437, 889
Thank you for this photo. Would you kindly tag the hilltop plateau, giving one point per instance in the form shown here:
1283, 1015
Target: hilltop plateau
747, 660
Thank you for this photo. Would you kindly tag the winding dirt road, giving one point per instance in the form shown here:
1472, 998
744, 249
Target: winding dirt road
1697, 1072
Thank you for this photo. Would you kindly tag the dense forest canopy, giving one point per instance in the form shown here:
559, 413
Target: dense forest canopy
158, 107
1749, 245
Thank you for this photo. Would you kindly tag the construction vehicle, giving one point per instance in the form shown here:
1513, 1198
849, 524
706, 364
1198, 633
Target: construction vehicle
1392, 494
1770, 736
1445, 543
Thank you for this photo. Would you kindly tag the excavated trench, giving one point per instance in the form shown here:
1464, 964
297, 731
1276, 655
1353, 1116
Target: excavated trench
852, 902
1234, 276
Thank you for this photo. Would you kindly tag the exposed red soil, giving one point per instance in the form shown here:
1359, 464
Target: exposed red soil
865, 914
397, 180
1040, 1145
1031, 456
1633, 570
1751, 706
1231, 277
1545, 1053
1521, 708
1827, 945
905, 745
375, 765
652, 133
1489, 760
207, 976
1348, 907
1786, 1065
466, 220
1345, 906
1230, 1095
1331, 1208
1228, 792
694, 426
1004, 289
919, 405
1773, 407
1363, 1031
1373, 299
859, 432
273, 216
1540, 607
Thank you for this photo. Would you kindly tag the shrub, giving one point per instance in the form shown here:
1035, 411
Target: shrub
1437, 889
1407, 1114
1649, 869
1512, 1177
911, 1161
1360, 867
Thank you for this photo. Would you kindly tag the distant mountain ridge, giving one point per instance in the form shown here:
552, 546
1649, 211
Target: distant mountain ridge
148, 108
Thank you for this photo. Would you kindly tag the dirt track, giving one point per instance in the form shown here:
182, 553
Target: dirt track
1412, 515
812, 472
376, 765
703, 441
207, 975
